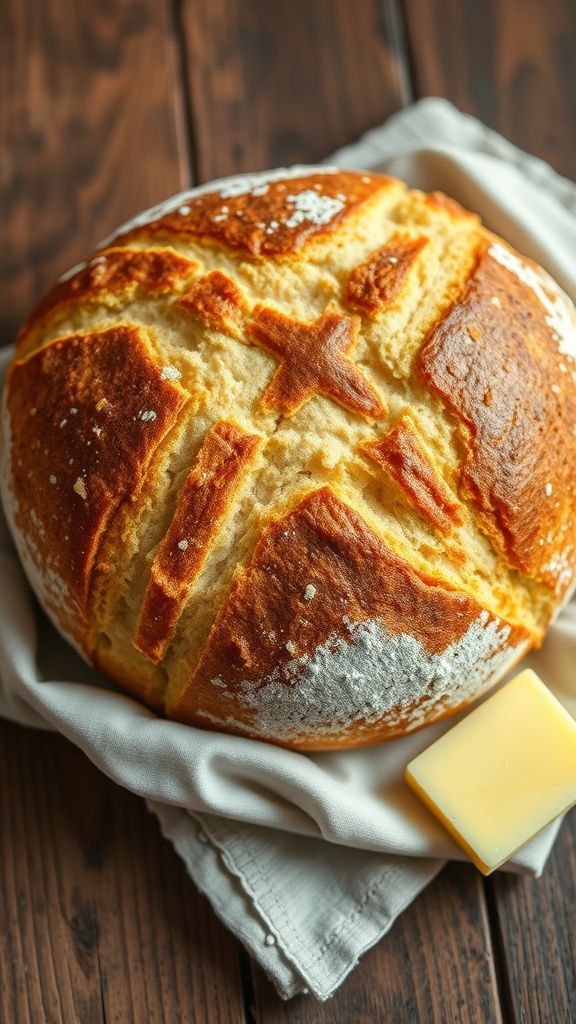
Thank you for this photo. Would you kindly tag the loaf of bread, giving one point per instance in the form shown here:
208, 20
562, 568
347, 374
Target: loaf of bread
293, 456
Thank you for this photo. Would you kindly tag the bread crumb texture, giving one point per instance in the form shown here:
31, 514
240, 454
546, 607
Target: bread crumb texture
294, 456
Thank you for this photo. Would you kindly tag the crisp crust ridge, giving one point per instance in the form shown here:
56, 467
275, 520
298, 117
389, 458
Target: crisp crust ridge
496, 363
313, 361
87, 414
217, 300
110, 275
314, 573
401, 455
206, 496
379, 281
274, 219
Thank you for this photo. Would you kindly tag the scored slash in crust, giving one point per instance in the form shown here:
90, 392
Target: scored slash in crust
221, 465
378, 282
216, 300
401, 455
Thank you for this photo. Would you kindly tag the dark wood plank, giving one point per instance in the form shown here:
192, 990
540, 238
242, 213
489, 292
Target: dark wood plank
536, 921
511, 64
92, 130
98, 920
436, 965
280, 84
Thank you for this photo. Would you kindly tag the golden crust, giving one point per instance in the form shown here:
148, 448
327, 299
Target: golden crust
400, 454
87, 415
325, 549
269, 220
378, 282
313, 361
113, 274
416, 462
496, 364
438, 201
217, 300
221, 464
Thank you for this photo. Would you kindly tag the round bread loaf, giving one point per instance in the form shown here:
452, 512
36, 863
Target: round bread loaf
293, 456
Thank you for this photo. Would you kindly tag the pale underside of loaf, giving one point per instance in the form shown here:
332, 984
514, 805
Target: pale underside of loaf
220, 374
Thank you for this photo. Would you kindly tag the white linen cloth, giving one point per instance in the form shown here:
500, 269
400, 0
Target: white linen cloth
250, 820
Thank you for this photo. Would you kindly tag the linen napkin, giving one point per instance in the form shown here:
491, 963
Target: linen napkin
250, 820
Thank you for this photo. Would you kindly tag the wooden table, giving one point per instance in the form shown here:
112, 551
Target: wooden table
107, 107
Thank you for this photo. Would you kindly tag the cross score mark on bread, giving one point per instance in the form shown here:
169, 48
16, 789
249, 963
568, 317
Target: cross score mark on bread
293, 596
313, 361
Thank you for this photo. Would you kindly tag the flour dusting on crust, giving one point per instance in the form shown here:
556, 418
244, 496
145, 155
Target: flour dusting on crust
226, 187
309, 206
373, 677
43, 576
560, 315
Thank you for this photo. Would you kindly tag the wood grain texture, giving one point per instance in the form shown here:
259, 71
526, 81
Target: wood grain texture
509, 63
98, 920
273, 85
536, 924
435, 967
92, 130
99, 104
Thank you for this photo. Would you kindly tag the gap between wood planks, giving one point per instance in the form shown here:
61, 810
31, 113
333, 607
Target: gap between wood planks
181, 51
499, 950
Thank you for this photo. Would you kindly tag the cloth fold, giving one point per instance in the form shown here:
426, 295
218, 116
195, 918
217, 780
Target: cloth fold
252, 821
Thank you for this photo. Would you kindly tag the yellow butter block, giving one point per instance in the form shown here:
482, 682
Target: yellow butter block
503, 773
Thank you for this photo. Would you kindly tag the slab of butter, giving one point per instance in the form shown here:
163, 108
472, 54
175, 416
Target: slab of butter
503, 773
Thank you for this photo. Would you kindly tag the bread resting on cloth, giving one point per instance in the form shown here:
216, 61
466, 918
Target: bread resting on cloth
293, 456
